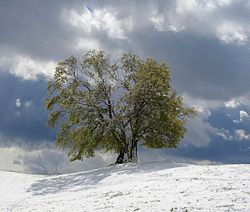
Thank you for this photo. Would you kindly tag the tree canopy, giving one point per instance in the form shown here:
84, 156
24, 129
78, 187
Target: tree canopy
101, 104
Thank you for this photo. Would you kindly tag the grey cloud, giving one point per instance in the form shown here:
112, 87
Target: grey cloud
201, 64
198, 133
201, 67
35, 28
40, 30
46, 159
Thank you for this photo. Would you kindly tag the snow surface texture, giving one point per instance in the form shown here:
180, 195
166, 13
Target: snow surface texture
157, 186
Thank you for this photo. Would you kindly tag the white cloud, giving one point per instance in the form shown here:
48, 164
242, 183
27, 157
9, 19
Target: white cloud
202, 105
29, 69
236, 102
161, 23
199, 8
232, 103
184, 6
26, 67
241, 135
225, 134
100, 20
193, 15
230, 32
18, 103
243, 115
203, 5
238, 134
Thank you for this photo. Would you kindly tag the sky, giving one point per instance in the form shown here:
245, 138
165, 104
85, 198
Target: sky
206, 43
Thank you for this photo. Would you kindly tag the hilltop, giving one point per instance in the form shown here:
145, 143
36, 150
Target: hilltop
156, 186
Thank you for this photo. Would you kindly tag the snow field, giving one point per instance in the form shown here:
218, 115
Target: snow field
156, 186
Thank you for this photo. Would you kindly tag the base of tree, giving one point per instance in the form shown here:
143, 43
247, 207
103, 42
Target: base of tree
122, 159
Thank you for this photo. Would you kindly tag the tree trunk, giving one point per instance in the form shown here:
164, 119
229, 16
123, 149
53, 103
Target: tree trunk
120, 158
133, 151
123, 155
128, 153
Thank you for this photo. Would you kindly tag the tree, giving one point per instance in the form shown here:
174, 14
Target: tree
115, 106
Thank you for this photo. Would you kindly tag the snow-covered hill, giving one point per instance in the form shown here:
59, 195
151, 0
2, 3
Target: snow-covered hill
157, 186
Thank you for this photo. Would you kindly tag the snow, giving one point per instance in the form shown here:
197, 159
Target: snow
156, 186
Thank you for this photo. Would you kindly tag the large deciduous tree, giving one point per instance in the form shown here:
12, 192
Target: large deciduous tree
115, 106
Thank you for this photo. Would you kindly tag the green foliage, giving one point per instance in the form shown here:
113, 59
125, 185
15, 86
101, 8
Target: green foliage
115, 106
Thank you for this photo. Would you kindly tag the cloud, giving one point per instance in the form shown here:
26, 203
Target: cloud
228, 128
232, 103
45, 158
232, 33
26, 67
243, 115
198, 132
29, 69
238, 135
192, 15
171, 31
18, 103
239, 101
84, 43
241, 135
98, 20
224, 134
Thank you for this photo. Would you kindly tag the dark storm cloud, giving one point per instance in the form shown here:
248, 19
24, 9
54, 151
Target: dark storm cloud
35, 28
39, 28
202, 65
27, 120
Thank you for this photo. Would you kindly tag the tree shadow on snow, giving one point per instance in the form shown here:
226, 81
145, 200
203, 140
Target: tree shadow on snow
90, 179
